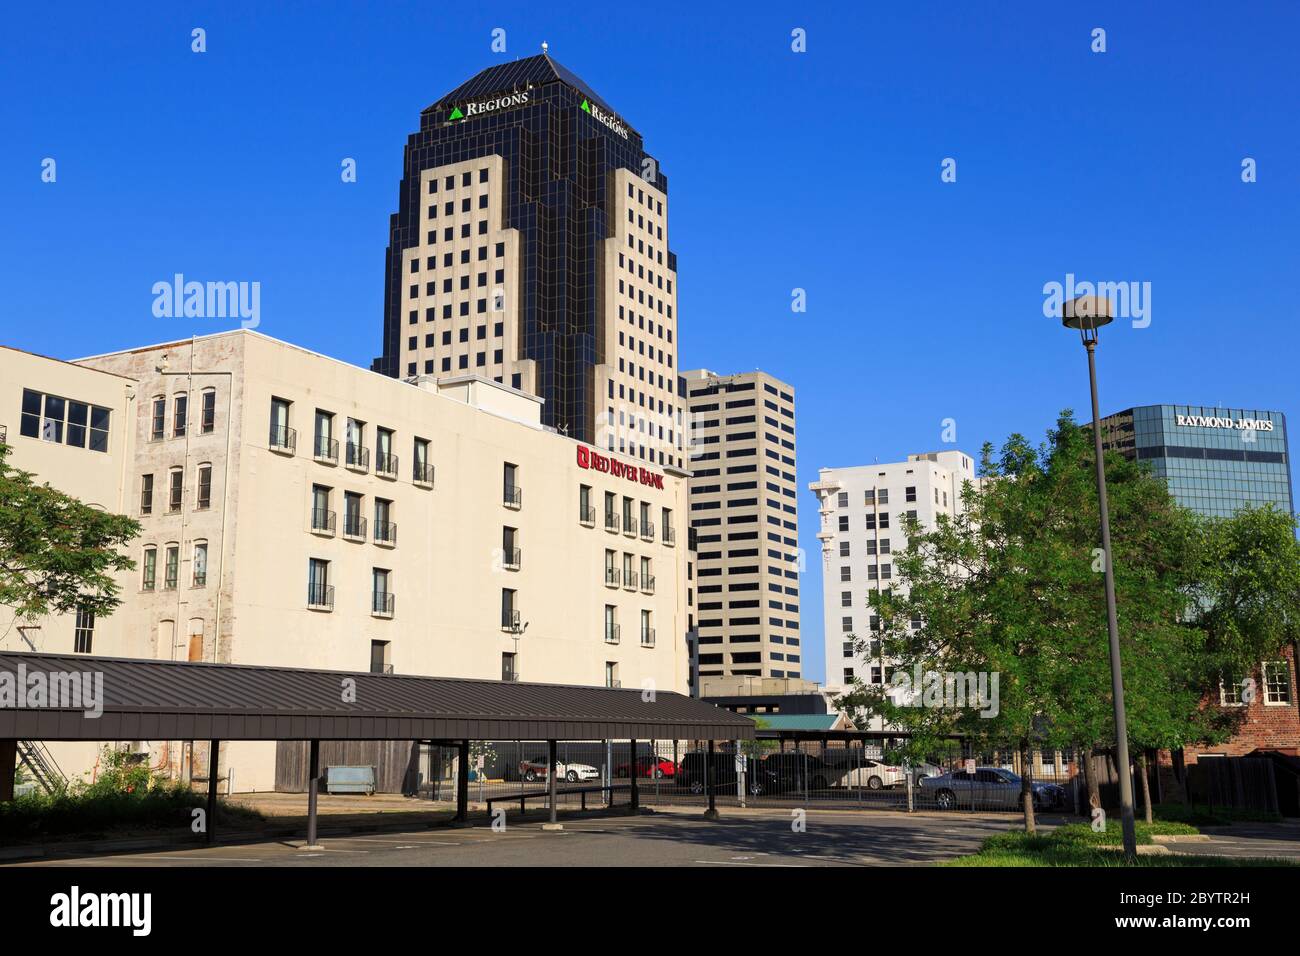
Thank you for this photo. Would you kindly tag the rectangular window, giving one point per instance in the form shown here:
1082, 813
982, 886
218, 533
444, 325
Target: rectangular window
319, 592
172, 567
379, 657
423, 468
175, 490
511, 493
1277, 682
180, 410
205, 487
208, 419
146, 494
281, 436
200, 564
325, 446
159, 419
84, 632
149, 577
509, 613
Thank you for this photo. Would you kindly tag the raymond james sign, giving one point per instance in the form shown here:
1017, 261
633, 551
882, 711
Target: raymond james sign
598, 462
1208, 421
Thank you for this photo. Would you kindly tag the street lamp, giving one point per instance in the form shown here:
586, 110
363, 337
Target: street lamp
1088, 314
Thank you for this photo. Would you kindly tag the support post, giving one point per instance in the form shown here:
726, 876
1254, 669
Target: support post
8, 761
214, 754
712, 812
462, 782
634, 806
313, 776
550, 779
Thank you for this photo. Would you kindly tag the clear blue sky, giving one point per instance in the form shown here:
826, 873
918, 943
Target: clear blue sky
818, 171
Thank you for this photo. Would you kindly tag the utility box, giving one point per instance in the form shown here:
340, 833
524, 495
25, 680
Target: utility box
350, 780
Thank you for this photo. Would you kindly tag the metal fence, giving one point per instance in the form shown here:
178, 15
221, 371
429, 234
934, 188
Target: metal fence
854, 775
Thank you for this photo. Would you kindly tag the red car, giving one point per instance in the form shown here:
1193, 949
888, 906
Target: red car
649, 766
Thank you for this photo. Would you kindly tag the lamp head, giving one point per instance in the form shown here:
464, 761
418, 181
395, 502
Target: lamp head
1087, 313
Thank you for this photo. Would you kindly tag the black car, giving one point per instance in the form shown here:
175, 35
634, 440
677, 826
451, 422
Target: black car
795, 773
719, 768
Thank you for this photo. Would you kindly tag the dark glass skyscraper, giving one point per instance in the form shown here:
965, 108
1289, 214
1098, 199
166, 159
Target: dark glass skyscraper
530, 247
1215, 460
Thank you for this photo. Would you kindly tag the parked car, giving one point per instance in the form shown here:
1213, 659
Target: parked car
648, 765
720, 771
872, 774
923, 769
535, 769
989, 788
795, 772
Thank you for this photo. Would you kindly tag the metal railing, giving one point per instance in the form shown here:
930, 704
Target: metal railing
326, 449
670, 536
612, 634
385, 465
629, 527
283, 438
611, 521
320, 596
422, 473
648, 583
647, 531
512, 496
358, 456
511, 558
323, 521
386, 532
354, 526
587, 516
382, 603
630, 580
647, 637
613, 577
510, 621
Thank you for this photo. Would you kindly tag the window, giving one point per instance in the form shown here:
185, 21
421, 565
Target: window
64, 421
282, 437
385, 528
512, 496
159, 418
647, 630
322, 518
385, 460
319, 592
84, 632
422, 469
586, 513
146, 494
200, 564
175, 490
172, 567
508, 669
324, 444
510, 556
611, 624
180, 409
208, 412
150, 564
354, 525
382, 600
379, 657
205, 487
842, 499
910, 492
358, 456
509, 613
611, 674
1277, 682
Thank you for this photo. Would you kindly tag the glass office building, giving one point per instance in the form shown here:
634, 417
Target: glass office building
530, 247
1215, 460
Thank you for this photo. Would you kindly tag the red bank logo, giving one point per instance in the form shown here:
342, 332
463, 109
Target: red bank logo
598, 462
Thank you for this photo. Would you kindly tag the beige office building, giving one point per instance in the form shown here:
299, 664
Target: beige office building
300, 511
744, 517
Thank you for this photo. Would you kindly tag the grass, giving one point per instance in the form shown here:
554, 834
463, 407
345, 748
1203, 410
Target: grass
1077, 845
95, 811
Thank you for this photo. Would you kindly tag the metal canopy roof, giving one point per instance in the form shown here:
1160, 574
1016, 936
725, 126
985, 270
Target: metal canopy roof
167, 700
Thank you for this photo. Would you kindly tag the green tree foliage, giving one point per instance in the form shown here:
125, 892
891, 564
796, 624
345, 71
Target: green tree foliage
56, 553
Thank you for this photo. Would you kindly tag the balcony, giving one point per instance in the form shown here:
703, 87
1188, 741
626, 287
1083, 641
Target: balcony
511, 558
508, 675
386, 465
382, 603
670, 536
326, 450
354, 527
612, 577
386, 533
512, 496
422, 474
358, 457
611, 634
587, 516
630, 580
629, 527
283, 439
647, 637
648, 583
510, 621
320, 597
613, 683
611, 521
323, 521
647, 531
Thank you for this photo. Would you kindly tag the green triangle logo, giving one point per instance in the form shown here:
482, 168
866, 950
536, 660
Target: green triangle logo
456, 114
585, 107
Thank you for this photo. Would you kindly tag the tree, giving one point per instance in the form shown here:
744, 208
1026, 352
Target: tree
57, 554
1012, 588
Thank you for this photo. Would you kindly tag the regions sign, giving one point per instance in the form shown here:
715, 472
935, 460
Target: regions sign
488, 106
587, 458
1209, 421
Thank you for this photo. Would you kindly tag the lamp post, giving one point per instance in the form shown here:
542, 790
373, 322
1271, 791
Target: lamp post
1088, 314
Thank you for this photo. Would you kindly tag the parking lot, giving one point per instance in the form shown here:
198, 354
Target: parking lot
679, 837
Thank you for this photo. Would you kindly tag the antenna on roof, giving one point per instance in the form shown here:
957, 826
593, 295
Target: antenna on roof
544, 47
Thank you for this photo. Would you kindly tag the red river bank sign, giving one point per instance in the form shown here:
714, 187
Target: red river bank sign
598, 462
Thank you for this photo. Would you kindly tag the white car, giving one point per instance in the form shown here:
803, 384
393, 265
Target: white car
874, 775
535, 769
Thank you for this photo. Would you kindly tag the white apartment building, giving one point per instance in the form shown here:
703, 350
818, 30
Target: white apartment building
300, 511
862, 513
744, 514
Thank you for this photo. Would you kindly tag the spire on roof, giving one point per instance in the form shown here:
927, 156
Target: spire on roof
544, 47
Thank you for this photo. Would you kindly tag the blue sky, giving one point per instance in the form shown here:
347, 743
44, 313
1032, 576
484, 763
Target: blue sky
818, 170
